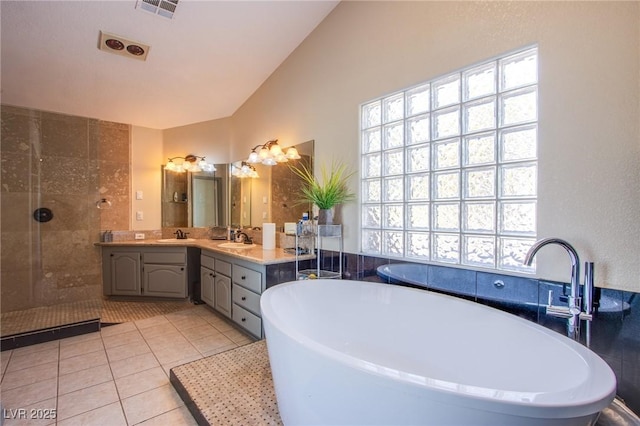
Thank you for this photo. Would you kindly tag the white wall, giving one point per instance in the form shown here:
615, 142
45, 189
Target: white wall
146, 158
589, 103
211, 139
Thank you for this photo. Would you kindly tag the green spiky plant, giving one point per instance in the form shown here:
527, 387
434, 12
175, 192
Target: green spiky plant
328, 192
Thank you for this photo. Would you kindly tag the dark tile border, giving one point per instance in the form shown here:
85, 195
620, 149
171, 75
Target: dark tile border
46, 335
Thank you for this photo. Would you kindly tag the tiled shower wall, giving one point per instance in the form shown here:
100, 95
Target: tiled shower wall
67, 164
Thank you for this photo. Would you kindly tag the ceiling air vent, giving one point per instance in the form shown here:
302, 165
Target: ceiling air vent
121, 46
164, 8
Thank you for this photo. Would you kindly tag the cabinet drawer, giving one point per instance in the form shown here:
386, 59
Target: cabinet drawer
207, 262
248, 278
223, 267
247, 320
247, 299
169, 257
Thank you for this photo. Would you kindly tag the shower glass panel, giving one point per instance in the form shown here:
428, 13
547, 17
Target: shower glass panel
50, 268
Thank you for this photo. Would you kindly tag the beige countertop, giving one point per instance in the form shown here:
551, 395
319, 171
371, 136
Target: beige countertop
255, 254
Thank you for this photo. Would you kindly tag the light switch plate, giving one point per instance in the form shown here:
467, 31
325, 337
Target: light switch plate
139, 194
139, 215
139, 236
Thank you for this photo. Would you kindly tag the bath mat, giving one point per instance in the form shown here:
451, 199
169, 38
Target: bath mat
229, 388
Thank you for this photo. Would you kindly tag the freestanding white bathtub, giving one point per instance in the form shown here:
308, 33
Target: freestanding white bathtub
350, 352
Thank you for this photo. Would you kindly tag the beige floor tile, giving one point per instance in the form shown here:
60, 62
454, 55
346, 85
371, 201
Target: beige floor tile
236, 335
211, 343
180, 416
169, 365
117, 329
81, 348
219, 350
151, 322
141, 382
133, 365
30, 394
158, 330
27, 360
200, 332
126, 338
165, 341
187, 322
5, 356
84, 378
42, 413
80, 338
27, 376
151, 404
84, 400
82, 362
127, 351
37, 348
221, 325
111, 415
171, 354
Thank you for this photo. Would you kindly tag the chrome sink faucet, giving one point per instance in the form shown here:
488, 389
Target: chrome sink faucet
574, 312
241, 237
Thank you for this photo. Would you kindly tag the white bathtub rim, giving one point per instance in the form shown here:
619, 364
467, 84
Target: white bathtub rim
540, 404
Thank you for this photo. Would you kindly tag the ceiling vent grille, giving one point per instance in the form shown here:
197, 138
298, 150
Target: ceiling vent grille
123, 47
164, 8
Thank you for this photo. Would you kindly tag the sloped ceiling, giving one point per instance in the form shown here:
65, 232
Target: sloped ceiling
202, 64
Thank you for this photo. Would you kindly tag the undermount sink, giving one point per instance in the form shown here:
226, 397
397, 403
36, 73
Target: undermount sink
176, 240
236, 246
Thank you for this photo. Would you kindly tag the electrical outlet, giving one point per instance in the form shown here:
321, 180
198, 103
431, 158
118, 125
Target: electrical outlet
139, 215
139, 236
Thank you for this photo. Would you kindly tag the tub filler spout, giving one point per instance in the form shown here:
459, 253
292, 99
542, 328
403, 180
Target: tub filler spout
574, 312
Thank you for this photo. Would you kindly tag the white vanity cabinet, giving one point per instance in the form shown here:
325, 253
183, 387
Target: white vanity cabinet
145, 271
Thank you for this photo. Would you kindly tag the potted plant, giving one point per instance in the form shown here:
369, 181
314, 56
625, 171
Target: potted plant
326, 193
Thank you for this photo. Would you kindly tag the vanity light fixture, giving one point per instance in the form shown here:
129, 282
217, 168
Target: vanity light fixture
271, 154
190, 163
244, 171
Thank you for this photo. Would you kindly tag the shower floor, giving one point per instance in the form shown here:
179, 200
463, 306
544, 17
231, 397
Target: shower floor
106, 311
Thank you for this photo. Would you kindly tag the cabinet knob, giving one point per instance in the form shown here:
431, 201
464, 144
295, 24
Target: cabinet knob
182, 269
243, 319
211, 275
244, 297
243, 277
111, 255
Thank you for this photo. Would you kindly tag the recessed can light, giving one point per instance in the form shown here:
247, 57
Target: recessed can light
135, 50
114, 44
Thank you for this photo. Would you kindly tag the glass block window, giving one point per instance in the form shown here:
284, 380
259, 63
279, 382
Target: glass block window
449, 167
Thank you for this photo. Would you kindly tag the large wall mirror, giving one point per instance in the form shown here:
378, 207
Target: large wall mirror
195, 199
222, 198
273, 196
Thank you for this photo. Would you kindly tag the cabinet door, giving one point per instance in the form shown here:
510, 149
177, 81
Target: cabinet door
223, 294
165, 280
125, 273
207, 278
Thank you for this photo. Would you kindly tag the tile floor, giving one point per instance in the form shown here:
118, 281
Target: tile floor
118, 376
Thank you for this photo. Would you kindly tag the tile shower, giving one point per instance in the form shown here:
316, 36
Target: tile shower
66, 164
